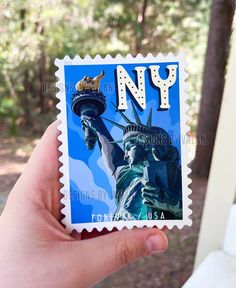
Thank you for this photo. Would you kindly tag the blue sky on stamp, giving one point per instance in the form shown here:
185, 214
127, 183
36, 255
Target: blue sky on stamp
88, 175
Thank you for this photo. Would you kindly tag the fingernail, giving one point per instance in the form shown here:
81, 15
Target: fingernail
155, 243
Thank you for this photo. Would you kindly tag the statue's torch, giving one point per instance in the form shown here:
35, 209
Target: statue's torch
89, 101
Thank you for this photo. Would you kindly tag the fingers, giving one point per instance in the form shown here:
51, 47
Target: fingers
151, 186
150, 194
148, 201
105, 254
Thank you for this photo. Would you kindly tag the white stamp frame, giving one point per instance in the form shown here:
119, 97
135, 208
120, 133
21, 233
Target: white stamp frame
63, 138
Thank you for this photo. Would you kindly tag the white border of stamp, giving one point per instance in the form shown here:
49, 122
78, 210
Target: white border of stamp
63, 138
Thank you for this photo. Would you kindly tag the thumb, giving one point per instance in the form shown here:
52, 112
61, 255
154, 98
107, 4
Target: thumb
105, 254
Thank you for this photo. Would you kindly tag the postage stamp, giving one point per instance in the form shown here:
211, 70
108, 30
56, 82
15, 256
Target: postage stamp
124, 153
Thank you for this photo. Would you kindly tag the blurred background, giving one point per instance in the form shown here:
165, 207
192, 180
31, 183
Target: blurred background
34, 33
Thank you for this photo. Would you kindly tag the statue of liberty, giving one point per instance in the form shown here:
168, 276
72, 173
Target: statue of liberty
146, 170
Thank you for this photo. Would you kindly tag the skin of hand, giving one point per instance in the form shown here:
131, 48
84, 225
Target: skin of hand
37, 251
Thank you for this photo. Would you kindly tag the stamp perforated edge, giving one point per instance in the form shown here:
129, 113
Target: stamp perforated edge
63, 138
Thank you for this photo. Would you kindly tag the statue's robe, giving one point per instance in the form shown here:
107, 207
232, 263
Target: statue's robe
129, 200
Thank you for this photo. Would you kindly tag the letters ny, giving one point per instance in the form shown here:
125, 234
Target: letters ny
124, 81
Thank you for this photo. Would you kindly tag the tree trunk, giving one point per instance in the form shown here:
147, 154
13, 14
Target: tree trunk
42, 72
24, 97
222, 12
25, 100
141, 7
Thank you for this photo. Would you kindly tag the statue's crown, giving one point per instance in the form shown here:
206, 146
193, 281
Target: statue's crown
133, 127
137, 129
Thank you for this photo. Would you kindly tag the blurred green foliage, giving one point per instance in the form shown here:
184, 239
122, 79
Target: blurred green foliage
34, 33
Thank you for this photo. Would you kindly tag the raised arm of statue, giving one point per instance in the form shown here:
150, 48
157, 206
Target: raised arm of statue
112, 154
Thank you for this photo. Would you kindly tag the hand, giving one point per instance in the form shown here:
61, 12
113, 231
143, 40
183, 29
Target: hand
152, 195
88, 122
92, 123
156, 197
35, 249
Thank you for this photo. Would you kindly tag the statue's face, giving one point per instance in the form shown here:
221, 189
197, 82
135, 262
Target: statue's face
134, 153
